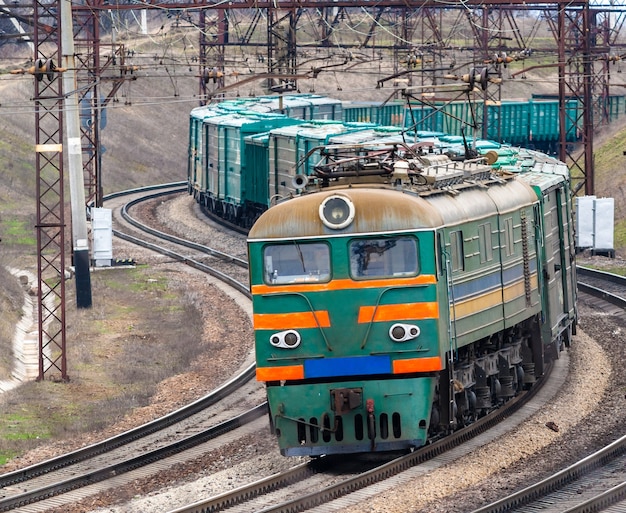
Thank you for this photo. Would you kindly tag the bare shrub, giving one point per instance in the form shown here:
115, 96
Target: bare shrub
117, 353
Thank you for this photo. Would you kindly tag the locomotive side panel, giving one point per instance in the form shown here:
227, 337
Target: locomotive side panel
474, 294
520, 290
557, 266
489, 255
518, 251
555, 242
569, 256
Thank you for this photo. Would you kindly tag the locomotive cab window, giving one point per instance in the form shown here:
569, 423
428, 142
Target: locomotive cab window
383, 258
296, 263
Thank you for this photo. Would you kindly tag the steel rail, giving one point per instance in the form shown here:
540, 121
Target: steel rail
172, 238
566, 476
128, 192
85, 453
592, 462
179, 257
109, 471
601, 293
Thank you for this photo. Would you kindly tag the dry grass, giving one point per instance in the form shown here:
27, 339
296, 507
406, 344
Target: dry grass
118, 351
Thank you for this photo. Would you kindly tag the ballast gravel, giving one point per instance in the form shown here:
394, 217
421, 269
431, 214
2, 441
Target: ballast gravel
589, 412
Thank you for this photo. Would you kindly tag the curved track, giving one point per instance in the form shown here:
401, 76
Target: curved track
230, 269
308, 475
592, 484
185, 429
603, 286
597, 482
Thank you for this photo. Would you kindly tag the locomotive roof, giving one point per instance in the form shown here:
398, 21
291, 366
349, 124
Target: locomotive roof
386, 209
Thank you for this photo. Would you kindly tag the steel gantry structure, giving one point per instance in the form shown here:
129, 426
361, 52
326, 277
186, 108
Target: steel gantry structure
585, 37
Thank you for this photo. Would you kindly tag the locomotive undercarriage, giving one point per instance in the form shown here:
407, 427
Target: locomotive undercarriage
485, 375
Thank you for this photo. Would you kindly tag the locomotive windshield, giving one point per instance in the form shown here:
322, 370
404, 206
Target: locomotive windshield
381, 258
296, 263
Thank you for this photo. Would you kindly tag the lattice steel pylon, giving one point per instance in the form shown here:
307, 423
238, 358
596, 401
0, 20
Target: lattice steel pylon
89, 70
211, 58
578, 30
50, 194
91, 76
576, 67
281, 48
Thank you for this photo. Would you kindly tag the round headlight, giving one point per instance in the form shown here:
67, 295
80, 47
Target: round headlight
403, 332
337, 212
291, 339
288, 339
397, 332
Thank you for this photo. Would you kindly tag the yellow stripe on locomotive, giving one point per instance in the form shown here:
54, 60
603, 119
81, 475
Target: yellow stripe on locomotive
369, 299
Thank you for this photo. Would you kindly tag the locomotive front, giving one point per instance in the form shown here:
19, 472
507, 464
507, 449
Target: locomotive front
347, 319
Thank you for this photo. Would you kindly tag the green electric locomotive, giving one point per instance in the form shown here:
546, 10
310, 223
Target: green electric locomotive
404, 293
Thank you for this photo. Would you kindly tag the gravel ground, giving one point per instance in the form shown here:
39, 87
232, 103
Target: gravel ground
590, 410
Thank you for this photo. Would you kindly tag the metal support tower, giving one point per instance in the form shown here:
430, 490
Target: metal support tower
281, 48
99, 76
575, 68
585, 40
89, 71
213, 40
50, 194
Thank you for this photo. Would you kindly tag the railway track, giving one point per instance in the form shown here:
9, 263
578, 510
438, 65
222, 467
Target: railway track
227, 268
603, 287
344, 486
315, 486
198, 427
596, 482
